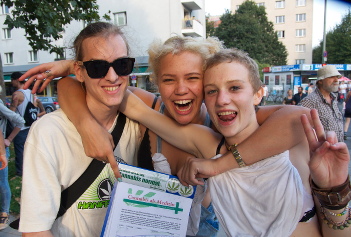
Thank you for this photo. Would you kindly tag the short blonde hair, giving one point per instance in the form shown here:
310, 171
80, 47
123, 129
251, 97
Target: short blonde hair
239, 56
178, 44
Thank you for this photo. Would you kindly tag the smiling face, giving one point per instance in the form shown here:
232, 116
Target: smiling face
108, 91
180, 83
230, 100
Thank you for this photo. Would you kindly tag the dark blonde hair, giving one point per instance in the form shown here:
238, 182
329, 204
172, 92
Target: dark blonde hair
100, 29
178, 44
239, 56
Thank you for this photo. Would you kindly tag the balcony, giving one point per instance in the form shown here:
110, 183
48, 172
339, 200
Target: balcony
193, 28
192, 5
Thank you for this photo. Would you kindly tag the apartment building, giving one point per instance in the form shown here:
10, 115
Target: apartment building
142, 22
293, 22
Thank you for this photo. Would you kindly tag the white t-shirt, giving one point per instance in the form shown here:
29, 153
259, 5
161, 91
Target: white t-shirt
54, 158
263, 199
265, 91
342, 88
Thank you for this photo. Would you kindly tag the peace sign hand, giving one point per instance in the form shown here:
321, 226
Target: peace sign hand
329, 158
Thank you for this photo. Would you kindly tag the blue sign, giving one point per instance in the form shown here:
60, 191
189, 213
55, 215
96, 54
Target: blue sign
286, 68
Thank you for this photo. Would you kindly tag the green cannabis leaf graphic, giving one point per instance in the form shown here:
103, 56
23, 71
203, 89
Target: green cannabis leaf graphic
186, 191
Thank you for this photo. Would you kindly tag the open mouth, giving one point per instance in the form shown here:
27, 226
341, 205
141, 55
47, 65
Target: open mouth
183, 105
227, 115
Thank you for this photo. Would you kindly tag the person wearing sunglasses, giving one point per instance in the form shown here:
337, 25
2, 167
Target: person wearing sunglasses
54, 153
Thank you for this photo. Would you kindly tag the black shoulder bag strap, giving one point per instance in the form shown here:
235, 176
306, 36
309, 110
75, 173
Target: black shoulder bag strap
73, 192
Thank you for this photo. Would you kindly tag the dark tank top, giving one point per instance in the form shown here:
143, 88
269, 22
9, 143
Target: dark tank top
144, 157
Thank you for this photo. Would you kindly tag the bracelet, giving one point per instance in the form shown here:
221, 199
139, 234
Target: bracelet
3, 155
337, 225
325, 210
236, 154
334, 198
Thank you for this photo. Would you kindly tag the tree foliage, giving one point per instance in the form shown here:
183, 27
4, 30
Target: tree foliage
338, 43
44, 20
210, 29
249, 29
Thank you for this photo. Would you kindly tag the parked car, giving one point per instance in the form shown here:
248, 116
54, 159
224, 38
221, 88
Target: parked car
50, 103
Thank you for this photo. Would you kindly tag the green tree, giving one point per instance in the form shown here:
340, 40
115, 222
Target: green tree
249, 29
210, 30
338, 43
44, 20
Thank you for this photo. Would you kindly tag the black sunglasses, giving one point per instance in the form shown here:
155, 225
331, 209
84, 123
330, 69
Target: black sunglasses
98, 68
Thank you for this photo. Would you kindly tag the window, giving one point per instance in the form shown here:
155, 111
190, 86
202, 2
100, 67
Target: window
120, 18
260, 4
300, 3
300, 47
33, 56
279, 19
7, 33
301, 17
299, 61
8, 58
300, 33
277, 80
281, 33
288, 79
266, 80
280, 4
237, 7
4, 9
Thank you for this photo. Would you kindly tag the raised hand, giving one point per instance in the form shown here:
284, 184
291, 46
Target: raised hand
329, 158
42, 75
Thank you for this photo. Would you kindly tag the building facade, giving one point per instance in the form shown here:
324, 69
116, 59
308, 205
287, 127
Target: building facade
142, 22
293, 22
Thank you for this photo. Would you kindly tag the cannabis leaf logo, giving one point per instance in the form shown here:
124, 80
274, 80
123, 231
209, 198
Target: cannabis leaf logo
186, 191
173, 185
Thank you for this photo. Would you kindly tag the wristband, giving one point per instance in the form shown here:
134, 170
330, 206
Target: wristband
236, 155
334, 198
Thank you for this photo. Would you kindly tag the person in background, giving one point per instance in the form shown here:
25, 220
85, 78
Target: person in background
342, 91
6, 116
265, 94
298, 96
348, 86
310, 88
289, 98
20, 99
347, 114
324, 100
37, 103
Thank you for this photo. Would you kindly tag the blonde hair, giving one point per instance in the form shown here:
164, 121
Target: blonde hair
239, 56
178, 44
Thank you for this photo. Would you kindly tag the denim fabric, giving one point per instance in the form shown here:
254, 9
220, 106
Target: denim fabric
209, 225
18, 143
5, 191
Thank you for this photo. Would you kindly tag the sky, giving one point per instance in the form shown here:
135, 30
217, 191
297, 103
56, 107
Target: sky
335, 10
